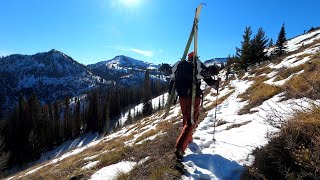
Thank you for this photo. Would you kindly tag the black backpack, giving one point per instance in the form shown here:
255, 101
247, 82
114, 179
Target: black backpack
184, 78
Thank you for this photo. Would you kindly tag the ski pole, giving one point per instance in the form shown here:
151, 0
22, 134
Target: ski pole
215, 115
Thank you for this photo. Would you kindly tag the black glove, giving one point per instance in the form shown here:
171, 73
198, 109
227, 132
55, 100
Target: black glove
209, 71
166, 69
213, 83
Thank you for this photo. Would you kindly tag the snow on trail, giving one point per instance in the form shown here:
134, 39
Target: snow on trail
236, 139
224, 159
239, 135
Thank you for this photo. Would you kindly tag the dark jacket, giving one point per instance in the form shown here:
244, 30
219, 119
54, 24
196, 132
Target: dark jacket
184, 87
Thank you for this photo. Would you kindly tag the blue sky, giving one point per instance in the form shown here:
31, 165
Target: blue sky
151, 30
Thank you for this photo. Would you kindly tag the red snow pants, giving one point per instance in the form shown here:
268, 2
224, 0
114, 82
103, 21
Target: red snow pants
186, 134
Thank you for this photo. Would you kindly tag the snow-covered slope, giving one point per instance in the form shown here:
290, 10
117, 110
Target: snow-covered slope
217, 61
124, 70
239, 135
124, 63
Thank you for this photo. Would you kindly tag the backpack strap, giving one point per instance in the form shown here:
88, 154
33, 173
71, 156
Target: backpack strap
201, 99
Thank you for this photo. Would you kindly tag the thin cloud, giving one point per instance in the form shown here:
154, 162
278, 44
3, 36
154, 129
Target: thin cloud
143, 52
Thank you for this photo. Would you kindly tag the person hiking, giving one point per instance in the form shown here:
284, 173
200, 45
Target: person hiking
182, 75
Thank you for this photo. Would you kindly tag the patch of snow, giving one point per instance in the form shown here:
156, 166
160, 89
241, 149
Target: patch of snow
90, 165
69, 146
91, 157
151, 137
34, 170
299, 41
138, 108
112, 171
283, 81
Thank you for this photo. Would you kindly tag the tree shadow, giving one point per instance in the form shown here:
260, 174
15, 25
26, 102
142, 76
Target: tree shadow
218, 167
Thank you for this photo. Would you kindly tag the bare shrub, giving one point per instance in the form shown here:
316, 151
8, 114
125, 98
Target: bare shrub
284, 72
294, 153
306, 84
259, 71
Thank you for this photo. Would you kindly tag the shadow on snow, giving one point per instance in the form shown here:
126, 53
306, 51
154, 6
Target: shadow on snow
218, 166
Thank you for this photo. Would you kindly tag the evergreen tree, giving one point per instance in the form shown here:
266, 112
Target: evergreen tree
66, 119
33, 147
51, 128
270, 43
229, 63
258, 46
45, 127
311, 29
35, 144
244, 54
147, 105
106, 116
280, 44
159, 104
93, 113
57, 124
35, 110
4, 156
129, 120
77, 119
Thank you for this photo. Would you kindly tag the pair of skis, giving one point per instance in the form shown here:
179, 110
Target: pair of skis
193, 35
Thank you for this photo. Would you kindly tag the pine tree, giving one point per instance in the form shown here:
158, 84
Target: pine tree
50, 127
77, 119
35, 110
129, 120
93, 113
244, 54
106, 116
280, 44
33, 147
258, 46
45, 127
147, 105
230, 61
66, 119
4, 156
270, 43
57, 124
34, 144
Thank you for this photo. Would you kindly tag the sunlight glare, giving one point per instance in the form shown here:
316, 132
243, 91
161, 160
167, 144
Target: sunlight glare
130, 2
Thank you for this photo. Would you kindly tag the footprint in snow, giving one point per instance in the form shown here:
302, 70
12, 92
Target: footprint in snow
206, 144
195, 148
204, 128
196, 137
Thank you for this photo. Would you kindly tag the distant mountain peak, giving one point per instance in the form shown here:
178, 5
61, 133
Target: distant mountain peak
56, 54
